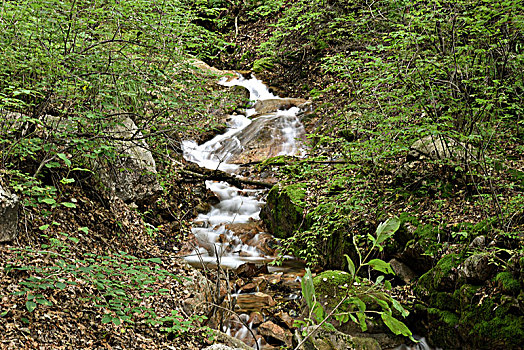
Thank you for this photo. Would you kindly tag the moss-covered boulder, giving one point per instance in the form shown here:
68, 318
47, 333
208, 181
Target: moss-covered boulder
323, 339
462, 315
284, 210
440, 278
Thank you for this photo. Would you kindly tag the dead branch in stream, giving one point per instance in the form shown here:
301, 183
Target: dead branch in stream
218, 175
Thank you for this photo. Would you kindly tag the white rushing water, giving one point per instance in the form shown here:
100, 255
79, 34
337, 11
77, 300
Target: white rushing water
216, 242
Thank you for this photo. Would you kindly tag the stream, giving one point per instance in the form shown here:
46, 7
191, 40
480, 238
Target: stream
217, 240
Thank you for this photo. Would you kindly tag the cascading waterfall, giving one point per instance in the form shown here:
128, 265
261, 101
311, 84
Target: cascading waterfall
216, 242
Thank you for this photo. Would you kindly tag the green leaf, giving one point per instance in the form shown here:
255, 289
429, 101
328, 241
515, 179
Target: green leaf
381, 265
386, 229
155, 260
30, 305
68, 204
60, 285
67, 181
387, 285
308, 289
50, 201
64, 158
43, 227
84, 230
106, 318
396, 326
362, 321
319, 312
116, 320
399, 308
351, 266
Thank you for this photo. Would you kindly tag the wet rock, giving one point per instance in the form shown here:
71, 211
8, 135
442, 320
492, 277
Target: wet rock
203, 208
403, 271
228, 340
323, 339
254, 302
132, 176
255, 318
272, 331
263, 138
283, 212
273, 105
266, 243
9, 204
291, 282
284, 318
257, 285
477, 268
249, 270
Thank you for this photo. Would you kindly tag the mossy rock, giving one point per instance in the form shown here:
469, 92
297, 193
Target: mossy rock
328, 284
283, 213
323, 339
495, 323
508, 283
443, 328
440, 278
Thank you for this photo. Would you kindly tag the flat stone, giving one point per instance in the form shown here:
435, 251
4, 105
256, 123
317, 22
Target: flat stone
285, 318
254, 302
271, 330
273, 105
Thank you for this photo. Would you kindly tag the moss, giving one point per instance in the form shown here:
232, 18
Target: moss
443, 330
492, 322
449, 318
508, 283
440, 277
296, 193
444, 301
464, 295
283, 212
327, 284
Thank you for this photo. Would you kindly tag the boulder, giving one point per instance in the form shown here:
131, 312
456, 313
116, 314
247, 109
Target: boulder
284, 210
323, 339
403, 271
9, 204
476, 269
273, 105
442, 277
132, 176
437, 147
